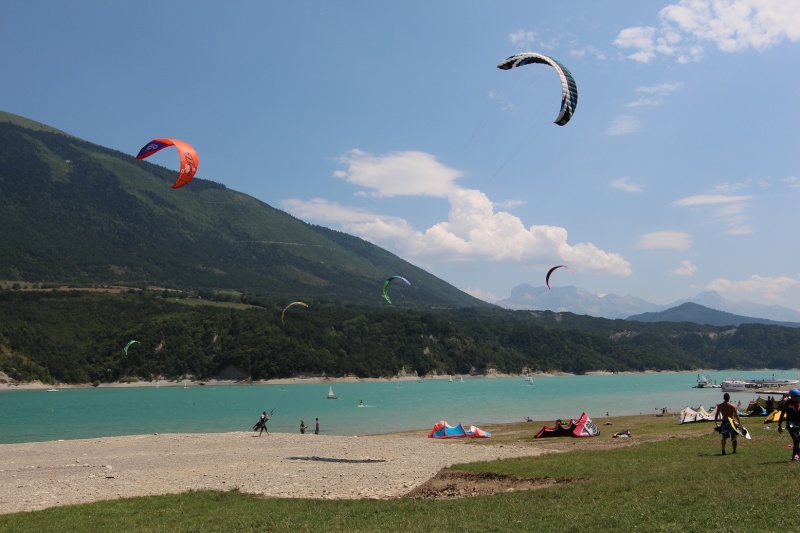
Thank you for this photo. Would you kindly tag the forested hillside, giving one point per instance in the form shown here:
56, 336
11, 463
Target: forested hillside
78, 337
73, 212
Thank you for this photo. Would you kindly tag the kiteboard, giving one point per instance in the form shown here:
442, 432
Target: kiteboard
741, 430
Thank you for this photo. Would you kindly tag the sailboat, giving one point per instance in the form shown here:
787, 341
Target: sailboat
451, 379
331, 395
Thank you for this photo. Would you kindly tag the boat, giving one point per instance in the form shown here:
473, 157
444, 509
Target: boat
53, 390
331, 395
737, 385
704, 382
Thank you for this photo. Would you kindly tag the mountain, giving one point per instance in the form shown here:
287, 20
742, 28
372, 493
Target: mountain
699, 314
73, 212
581, 301
574, 300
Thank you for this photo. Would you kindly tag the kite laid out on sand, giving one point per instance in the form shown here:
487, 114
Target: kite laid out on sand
584, 427
189, 159
569, 91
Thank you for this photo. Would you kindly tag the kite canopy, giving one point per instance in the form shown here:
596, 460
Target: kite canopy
128, 346
291, 304
547, 278
386, 285
584, 427
443, 430
569, 91
188, 155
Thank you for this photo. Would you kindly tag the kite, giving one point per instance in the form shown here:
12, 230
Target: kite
291, 304
547, 278
189, 159
128, 346
569, 91
386, 285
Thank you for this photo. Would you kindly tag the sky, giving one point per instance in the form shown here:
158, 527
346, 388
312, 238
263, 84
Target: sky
678, 173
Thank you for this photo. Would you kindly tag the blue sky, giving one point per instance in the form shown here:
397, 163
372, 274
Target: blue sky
677, 174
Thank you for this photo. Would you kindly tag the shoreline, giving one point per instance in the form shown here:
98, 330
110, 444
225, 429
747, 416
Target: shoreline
39, 475
300, 380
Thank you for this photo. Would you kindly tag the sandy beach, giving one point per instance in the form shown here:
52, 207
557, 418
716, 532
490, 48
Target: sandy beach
46, 474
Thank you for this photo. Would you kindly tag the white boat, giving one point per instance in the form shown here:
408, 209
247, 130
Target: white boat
331, 395
451, 379
704, 382
738, 385
53, 390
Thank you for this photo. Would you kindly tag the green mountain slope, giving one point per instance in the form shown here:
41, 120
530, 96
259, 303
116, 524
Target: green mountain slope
78, 213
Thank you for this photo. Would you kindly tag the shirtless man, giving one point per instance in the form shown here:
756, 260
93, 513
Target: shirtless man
727, 410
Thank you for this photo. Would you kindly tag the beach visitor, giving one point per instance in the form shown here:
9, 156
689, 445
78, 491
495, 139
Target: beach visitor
316, 428
303, 427
725, 411
262, 424
790, 411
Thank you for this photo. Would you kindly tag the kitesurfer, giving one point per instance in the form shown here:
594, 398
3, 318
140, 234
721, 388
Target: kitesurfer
791, 413
725, 412
262, 424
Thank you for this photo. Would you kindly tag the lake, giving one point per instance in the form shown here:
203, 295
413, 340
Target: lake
38, 415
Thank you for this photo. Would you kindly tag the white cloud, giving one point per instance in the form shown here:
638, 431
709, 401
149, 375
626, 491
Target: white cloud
622, 125
481, 294
409, 173
653, 94
475, 230
773, 289
727, 209
523, 39
792, 181
710, 199
665, 240
732, 25
686, 268
624, 184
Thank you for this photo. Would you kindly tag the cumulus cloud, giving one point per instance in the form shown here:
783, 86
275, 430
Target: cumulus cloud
624, 184
732, 25
686, 268
408, 173
728, 209
475, 229
770, 288
622, 125
665, 240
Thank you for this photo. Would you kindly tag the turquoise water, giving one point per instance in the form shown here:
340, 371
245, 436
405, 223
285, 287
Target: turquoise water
37, 415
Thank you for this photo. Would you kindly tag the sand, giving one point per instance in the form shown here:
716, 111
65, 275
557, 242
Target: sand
39, 475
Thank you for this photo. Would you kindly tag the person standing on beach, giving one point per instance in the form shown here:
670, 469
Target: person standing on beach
791, 413
725, 411
302, 427
316, 428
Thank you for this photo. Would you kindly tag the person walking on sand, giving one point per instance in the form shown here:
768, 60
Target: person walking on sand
791, 413
262, 424
725, 411
316, 428
302, 427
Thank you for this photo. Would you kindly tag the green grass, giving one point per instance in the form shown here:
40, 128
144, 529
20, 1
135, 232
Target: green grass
679, 483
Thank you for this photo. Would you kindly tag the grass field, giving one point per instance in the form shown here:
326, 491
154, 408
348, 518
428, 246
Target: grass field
665, 478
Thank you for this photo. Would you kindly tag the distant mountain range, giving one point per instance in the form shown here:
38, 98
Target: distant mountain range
580, 301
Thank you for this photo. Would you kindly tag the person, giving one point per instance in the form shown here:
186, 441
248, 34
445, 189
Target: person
790, 411
303, 427
361, 403
316, 428
262, 424
725, 411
